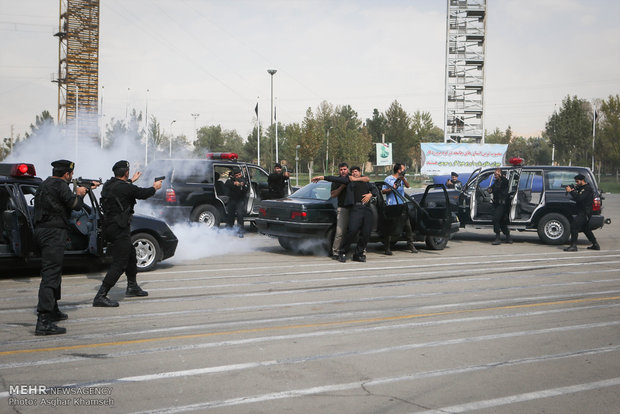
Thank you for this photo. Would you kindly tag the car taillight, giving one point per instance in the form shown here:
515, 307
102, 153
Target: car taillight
171, 196
262, 211
298, 214
596, 204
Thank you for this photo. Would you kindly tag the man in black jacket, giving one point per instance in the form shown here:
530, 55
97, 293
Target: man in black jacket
276, 182
237, 189
357, 196
583, 195
499, 189
118, 198
53, 203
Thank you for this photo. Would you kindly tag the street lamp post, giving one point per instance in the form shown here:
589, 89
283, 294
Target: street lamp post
297, 165
146, 128
272, 72
171, 136
327, 151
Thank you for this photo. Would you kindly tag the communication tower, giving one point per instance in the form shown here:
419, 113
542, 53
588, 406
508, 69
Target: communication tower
78, 64
465, 51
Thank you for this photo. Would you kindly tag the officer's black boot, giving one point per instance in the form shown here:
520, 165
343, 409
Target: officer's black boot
101, 299
571, 248
45, 326
134, 290
57, 315
595, 246
497, 240
411, 247
508, 238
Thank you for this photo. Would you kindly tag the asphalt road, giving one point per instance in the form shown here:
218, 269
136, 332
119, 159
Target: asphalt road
521, 328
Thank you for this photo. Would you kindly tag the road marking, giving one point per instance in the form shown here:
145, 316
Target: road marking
528, 396
316, 334
379, 381
303, 326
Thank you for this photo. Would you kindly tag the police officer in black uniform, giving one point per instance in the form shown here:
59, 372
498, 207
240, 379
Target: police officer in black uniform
499, 189
237, 189
454, 181
358, 195
53, 203
118, 198
277, 182
583, 195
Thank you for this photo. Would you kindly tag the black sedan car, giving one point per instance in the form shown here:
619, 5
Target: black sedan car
153, 239
306, 220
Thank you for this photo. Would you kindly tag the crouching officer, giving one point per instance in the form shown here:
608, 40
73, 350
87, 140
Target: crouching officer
499, 189
583, 195
53, 203
118, 198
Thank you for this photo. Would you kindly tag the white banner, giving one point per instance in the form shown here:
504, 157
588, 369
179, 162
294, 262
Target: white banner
440, 158
384, 154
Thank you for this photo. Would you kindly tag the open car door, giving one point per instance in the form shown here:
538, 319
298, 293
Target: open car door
17, 227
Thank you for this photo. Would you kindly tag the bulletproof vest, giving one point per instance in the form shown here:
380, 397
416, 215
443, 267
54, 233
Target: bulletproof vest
113, 210
47, 207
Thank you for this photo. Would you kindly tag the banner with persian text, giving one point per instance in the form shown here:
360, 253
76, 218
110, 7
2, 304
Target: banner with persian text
440, 158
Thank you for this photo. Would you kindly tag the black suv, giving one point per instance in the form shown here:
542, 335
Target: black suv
194, 189
153, 239
538, 200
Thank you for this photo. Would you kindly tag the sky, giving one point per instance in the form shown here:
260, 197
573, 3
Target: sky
210, 57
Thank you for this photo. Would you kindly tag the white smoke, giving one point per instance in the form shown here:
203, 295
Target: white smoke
196, 242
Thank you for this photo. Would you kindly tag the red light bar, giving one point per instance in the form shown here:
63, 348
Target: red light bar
221, 156
23, 170
516, 161
262, 211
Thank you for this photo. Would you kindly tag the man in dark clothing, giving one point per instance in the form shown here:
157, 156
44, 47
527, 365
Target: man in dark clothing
583, 195
118, 198
499, 189
277, 182
53, 203
357, 196
454, 181
237, 189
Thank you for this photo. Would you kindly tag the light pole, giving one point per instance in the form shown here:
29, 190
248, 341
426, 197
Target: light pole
146, 128
102, 126
77, 119
272, 72
195, 130
327, 151
171, 136
297, 165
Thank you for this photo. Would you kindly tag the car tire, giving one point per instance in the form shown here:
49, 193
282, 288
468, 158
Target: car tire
436, 243
554, 228
286, 243
148, 251
207, 214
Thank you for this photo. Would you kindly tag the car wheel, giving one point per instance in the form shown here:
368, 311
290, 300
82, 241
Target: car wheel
554, 228
148, 252
286, 243
206, 214
436, 243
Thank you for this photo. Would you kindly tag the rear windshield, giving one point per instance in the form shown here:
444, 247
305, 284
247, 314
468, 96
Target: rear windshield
314, 191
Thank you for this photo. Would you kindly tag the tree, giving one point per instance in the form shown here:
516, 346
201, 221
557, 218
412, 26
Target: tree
570, 131
311, 139
398, 132
209, 138
607, 145
45, 120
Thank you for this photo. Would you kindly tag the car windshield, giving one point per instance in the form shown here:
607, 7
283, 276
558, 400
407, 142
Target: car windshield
314, 191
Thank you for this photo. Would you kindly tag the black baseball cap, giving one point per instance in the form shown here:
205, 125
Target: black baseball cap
580, 177
120, 164
64, 165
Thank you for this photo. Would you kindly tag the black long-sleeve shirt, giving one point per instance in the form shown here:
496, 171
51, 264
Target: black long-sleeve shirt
53, 203
355, 190
584, 197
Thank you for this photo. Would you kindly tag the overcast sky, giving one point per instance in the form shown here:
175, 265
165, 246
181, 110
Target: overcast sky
211, 57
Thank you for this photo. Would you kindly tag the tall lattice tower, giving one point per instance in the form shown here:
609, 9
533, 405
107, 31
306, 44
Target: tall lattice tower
78, 64
465, 51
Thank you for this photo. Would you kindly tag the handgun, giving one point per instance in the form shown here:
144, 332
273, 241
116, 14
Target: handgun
163, 177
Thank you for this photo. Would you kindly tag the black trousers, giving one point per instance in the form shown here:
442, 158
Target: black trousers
580, 222
360, 220
236, 209
123, 257
500, 218
51, 241
408, 233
